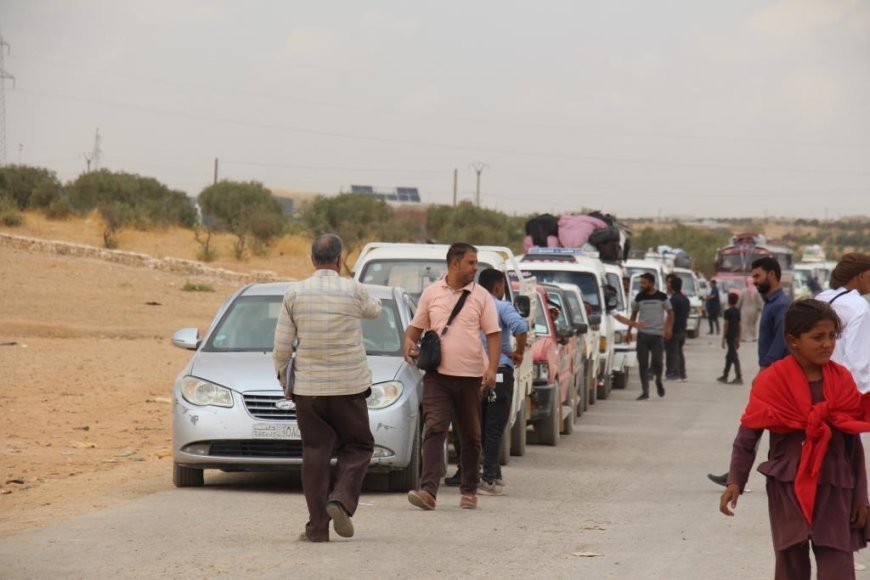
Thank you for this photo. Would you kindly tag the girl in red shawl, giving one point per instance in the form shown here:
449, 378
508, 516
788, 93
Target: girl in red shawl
816, 477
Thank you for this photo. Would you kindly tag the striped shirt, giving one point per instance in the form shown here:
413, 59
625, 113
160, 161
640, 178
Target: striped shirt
322, 314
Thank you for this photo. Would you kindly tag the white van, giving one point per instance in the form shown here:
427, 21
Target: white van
625, 352
586, 271
418, 265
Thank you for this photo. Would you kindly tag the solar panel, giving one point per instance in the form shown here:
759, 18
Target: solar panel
415, 197
362, 189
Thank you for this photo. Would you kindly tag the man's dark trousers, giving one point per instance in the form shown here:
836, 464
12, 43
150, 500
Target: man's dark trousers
731, 358
442, 396
675, 357
333, 425
649, 344
493, 419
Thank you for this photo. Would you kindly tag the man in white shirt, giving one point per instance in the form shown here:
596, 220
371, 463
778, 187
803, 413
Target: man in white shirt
849, 280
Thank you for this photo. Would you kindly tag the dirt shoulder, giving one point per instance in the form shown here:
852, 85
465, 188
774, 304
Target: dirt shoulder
86, 372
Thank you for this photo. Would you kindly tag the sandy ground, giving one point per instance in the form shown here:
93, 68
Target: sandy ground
86, 384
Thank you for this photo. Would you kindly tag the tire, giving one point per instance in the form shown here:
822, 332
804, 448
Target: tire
593, 392
604, 390
578, 401
568, 422
408, 478
187, 476
519, 433
548, 429
620, 379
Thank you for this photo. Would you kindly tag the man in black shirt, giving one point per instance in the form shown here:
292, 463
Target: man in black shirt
731, 338
681, 307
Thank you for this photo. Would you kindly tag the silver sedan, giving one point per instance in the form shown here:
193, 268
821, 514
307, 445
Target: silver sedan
229, 411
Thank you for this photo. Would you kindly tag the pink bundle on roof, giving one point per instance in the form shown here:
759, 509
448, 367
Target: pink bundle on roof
574, 230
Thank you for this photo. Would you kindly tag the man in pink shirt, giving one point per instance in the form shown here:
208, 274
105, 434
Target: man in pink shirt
465, 372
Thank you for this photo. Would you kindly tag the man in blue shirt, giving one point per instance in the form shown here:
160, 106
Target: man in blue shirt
495, 411
766, 274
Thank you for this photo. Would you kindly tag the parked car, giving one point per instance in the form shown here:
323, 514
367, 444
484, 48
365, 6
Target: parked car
624, 352
415, 266
571, 315
587, 327
229, 411
551, 357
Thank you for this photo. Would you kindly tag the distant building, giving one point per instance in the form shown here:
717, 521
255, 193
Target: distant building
394, 195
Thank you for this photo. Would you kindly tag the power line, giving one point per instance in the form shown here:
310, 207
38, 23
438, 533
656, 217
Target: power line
449, 146
213, 89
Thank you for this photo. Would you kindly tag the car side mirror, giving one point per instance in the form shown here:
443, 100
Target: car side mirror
186, 338
523, 305
594, 320
564, 333
611, 298
581, 328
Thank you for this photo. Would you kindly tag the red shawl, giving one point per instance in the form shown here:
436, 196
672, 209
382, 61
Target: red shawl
780, 401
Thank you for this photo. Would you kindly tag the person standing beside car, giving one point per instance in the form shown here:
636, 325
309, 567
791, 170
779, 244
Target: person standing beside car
681, 308
332, 380
713, 304
495, 408
653, 316
464, 372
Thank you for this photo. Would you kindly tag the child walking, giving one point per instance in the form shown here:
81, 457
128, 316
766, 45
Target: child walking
731, 338
816, 476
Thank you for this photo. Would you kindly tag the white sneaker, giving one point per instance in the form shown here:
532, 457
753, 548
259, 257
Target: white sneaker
489, 488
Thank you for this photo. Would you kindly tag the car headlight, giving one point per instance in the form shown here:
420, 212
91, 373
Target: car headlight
542, 371
199, 392
384, 394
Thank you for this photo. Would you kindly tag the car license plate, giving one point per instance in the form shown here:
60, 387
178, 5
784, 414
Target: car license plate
276, 431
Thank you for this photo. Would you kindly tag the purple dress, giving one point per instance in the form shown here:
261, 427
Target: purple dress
842, 485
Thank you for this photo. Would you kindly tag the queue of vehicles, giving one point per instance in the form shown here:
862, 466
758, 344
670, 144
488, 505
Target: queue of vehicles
230, 414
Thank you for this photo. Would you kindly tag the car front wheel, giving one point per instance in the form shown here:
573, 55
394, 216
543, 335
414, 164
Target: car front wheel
187, 476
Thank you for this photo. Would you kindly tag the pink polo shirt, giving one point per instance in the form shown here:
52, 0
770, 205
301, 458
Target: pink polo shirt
462, 354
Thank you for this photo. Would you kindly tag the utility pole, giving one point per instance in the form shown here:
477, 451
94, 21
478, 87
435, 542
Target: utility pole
478, 168
4, 49
455, 185
215, 171
97, 151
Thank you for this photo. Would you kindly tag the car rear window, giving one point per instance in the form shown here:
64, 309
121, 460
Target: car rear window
414, 276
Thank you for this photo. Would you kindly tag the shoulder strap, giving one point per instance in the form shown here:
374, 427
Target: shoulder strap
832, 300
456, 310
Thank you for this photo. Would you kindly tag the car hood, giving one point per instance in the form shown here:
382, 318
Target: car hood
254, 371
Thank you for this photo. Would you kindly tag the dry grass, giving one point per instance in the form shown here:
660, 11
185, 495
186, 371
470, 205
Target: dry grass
288, 256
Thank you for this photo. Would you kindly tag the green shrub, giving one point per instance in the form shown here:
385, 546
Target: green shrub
60, 208
193, 287
10, 215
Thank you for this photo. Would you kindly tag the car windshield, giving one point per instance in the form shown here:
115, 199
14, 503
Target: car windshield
614, 280
689, 286
587, 282
411, 275
737, 261
577, 309
556, 299
249, 326
541, 327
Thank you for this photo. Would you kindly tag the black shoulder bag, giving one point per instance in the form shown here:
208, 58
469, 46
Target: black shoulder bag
429, 358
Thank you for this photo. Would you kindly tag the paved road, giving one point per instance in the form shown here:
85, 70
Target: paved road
628, 485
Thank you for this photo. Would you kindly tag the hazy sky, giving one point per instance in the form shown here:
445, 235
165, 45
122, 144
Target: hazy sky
639, 107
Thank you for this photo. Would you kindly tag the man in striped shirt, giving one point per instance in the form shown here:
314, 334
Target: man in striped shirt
322, 315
